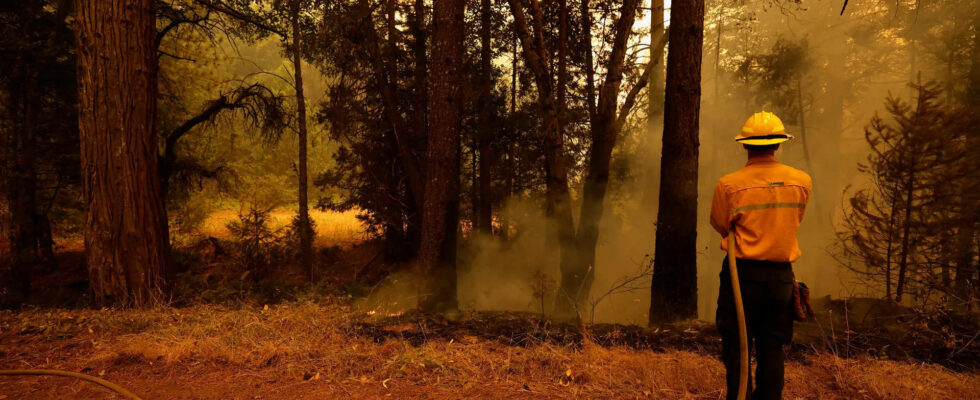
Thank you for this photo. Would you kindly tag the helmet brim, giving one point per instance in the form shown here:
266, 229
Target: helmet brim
762, 141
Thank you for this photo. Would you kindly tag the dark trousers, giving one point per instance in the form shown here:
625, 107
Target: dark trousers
767, 296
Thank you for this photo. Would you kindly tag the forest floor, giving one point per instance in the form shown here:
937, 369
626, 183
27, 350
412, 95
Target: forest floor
325, 349
314, 342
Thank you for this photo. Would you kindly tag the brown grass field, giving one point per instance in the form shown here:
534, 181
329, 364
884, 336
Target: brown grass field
319, 350
332, 228
320, 346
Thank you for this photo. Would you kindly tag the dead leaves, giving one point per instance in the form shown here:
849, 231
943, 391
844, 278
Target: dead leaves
569, 378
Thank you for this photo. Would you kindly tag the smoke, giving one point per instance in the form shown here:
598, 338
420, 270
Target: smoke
514, 275
848, 72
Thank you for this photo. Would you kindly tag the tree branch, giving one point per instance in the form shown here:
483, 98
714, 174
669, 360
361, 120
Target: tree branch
219, 6
630, 100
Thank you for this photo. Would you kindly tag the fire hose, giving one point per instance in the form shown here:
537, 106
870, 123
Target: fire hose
98, 381
743, 339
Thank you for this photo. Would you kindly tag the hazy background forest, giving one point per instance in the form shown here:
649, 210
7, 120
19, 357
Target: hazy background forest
469, 157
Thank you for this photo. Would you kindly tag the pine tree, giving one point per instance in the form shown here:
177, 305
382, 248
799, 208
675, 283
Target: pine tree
894, 233
126, 236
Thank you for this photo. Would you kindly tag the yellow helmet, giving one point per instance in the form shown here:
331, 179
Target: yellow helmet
761, 129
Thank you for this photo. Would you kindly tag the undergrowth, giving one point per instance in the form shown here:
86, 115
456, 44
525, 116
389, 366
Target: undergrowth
324, 340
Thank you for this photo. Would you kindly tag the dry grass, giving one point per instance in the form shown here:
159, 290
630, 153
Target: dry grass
332, 228
315, 345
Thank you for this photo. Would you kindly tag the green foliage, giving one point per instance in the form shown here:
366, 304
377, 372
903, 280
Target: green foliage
257, 247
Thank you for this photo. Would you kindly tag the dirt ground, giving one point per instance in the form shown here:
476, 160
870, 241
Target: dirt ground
325, 350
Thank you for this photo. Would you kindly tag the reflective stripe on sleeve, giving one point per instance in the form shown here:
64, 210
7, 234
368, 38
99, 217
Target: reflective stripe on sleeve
767, 206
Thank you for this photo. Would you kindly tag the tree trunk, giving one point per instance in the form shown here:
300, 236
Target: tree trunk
418, 118
512, 166
969, 202
557, 197
716, 99
799, 101
485, 206
906, 233
305, 227
400, 135
674, 283
420, 83
651, 142
406, 140
126, 226
21, 168
589, 63
604, 132
475, 185
889, 246
440, 211
655, 93
22, 192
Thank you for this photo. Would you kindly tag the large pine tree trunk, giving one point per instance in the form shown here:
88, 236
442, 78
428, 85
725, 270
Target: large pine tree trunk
126, 226
305, 227
674, 283
440, 210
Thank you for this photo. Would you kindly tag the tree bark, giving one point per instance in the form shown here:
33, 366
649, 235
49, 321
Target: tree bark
674, 283
440, 211
126, 227
305, 227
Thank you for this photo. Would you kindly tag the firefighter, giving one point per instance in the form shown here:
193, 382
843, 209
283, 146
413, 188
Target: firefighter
762, 204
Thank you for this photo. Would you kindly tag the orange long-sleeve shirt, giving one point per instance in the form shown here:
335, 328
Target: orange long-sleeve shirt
765, 200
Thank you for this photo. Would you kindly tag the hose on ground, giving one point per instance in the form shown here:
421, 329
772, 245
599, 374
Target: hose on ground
98, 381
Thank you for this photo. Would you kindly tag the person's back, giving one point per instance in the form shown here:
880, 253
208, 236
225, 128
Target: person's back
764, 203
